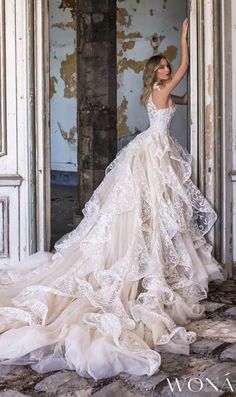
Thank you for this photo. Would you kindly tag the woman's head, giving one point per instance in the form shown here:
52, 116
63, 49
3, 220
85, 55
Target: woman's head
157, 70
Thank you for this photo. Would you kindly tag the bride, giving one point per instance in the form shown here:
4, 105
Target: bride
121, 286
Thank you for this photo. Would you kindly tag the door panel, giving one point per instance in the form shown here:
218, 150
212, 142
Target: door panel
21, 127
10, 180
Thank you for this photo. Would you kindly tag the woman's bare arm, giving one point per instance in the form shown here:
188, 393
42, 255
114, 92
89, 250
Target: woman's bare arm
177, 77
180, 100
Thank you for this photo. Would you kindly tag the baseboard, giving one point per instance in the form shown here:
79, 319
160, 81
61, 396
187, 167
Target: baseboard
65, 178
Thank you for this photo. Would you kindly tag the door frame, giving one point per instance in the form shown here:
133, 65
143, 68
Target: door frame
227, 54
209, 144
42, 124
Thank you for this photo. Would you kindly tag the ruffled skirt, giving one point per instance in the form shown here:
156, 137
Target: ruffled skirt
123, 284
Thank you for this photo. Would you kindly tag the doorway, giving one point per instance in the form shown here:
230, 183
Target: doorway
105, 113
142, 30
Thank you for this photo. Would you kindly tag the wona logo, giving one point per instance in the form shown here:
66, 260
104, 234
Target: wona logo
197, 384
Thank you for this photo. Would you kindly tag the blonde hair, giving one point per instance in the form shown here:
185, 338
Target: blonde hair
149, 75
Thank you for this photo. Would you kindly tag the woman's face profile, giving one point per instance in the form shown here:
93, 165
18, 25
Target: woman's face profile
163, 71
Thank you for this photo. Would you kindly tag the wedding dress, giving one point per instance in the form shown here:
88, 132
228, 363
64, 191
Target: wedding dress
122, 285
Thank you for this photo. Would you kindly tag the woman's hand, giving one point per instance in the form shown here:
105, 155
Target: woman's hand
185, 28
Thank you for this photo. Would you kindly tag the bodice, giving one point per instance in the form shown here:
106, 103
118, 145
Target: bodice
160, 117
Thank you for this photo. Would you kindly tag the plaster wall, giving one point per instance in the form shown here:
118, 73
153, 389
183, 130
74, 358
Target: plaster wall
145, 29
63, 85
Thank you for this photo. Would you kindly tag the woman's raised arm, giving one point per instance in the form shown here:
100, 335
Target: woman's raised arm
177, 77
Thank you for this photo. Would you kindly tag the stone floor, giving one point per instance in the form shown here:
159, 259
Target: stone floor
210, 369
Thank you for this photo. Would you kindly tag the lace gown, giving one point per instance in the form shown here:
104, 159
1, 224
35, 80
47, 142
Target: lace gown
123, 284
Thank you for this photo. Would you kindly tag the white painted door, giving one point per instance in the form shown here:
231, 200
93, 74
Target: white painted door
23, 141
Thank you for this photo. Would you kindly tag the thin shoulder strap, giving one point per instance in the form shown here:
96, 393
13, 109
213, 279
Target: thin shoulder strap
156, 86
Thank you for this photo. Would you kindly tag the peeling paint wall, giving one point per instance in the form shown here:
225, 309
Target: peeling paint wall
63, 85
144, 29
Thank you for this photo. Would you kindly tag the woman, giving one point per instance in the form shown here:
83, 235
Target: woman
123, 284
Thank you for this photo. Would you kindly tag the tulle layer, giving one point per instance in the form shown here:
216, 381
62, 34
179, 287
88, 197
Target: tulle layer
123, 284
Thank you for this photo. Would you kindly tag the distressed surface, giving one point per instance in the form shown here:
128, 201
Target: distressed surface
144, 29
70, 136
63, 85
69, 75
68, 5
122, 118
52, 89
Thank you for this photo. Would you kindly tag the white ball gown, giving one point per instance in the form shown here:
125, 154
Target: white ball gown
123, 284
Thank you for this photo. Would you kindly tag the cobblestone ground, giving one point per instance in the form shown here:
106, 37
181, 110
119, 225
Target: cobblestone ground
212, 358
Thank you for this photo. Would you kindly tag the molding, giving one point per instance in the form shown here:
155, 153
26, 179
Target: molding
63, 167
209, 106
200, 78
42, 125
10, 180
226, 133
31, 84
193, 82
4, 227
3, 146
217, 125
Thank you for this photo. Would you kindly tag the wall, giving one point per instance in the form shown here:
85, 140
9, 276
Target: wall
137, 23
63, 91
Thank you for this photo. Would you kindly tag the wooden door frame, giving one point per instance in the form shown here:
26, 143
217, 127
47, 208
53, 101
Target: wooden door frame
42, 124
226, 125
208, 113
